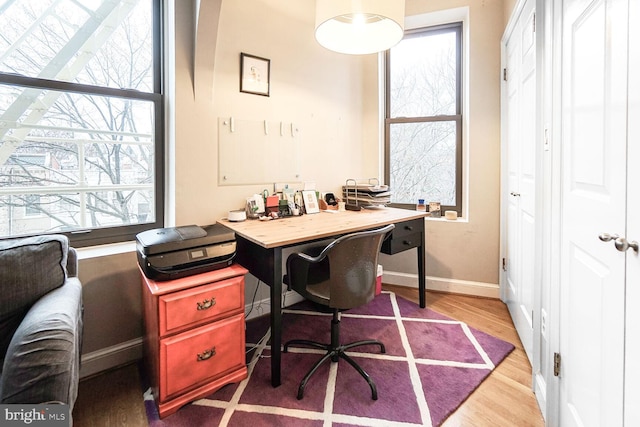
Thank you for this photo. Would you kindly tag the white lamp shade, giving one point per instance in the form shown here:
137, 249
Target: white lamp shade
359, 26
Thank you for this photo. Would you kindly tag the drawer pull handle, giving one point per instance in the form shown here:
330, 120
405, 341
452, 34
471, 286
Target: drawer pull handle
408, 227
206, 304
407, 242
207, 354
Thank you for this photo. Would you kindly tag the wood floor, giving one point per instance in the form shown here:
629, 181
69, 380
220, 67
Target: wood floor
114, 398
111, 399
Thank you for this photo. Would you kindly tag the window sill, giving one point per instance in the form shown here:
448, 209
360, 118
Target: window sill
443, 219
126, 247
106, 250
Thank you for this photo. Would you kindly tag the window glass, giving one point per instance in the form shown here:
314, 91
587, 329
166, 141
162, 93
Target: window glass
423, 76
80, 119
423, 118
423, 161
102, 43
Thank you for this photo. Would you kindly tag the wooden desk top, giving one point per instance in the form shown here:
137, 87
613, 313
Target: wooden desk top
292, 230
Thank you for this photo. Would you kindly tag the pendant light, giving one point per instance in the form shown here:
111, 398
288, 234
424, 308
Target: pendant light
359, 26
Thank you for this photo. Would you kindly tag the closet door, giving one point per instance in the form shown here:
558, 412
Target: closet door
632, 339
594, 177
520, 194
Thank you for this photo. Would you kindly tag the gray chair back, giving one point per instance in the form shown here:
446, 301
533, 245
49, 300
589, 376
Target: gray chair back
343, 274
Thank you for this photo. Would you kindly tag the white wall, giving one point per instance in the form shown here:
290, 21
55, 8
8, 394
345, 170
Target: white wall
320, 91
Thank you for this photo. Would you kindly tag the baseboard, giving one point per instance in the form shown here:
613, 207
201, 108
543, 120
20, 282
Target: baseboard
110, 357
480, 289
540, 391
465, 287
131, 351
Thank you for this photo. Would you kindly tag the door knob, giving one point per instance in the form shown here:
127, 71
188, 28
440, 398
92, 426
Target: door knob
622, 244
606, 237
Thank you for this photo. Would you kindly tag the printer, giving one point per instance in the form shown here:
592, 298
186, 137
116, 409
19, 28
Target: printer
176, 252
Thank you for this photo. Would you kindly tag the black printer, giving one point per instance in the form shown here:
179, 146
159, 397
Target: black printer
176, 252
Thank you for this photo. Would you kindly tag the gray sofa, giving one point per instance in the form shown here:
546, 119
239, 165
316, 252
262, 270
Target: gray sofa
40, 321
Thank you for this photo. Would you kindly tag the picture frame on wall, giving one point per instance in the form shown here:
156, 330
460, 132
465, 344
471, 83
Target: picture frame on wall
255, 74
310, 201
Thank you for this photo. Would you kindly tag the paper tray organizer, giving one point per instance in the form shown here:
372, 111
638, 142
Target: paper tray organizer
365, 193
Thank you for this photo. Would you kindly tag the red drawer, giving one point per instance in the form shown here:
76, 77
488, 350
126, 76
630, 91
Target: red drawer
189, 359
201, 304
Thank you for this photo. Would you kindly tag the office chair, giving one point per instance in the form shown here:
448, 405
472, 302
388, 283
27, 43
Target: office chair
340, 276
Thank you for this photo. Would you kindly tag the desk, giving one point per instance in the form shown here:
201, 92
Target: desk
259, 249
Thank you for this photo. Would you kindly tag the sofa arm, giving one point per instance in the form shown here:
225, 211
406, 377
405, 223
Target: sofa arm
42, 362
72, 263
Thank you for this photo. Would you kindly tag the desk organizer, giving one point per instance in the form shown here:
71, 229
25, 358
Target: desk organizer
367, 193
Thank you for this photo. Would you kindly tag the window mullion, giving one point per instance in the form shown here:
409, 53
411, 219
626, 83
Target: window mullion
443, 118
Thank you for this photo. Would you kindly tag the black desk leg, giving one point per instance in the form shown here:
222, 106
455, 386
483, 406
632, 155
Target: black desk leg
276, 316
422, 287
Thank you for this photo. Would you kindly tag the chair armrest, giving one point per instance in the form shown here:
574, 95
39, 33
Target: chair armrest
308, 258
306, 268
43, 359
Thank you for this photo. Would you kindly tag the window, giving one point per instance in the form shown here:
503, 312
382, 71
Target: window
423, 120
81, 119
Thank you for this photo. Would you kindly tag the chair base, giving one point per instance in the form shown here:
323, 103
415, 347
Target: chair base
334, 353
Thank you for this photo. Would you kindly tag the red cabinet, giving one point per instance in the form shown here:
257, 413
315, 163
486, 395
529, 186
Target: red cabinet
194, 335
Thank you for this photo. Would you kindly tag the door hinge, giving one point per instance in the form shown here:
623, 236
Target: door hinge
504, 264
556, 364
504, 74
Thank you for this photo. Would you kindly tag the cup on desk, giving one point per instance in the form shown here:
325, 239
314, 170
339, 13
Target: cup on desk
341, 206
295, 211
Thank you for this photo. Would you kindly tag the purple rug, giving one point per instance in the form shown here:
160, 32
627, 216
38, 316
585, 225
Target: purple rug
433, 363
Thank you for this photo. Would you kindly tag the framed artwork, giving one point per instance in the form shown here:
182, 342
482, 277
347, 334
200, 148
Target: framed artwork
254, 74
310, 201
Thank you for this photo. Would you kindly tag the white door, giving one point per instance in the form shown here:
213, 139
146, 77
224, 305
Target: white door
592, 277
632, 327
520, 87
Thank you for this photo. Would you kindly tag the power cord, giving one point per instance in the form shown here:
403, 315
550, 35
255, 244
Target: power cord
253, 299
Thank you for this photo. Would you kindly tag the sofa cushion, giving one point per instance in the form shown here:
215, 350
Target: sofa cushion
43, 359
8, 327
30, 268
